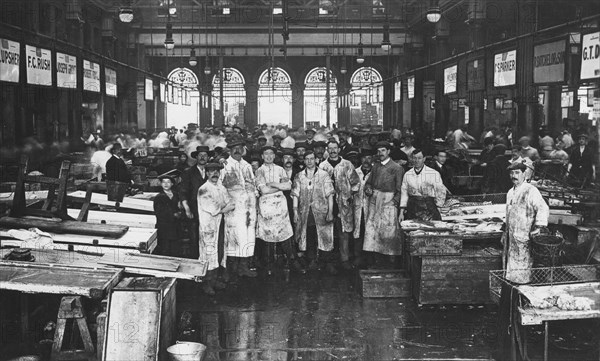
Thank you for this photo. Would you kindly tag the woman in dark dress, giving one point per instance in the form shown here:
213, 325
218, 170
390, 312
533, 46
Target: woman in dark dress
168, 214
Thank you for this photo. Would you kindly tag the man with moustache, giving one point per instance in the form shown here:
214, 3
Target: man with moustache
237, 177
319, 149
346, 184
526, 216
382, 229
213, 202
361, 205
191, 180
312, 195
422, 191
290, 172
273, 221
581, 166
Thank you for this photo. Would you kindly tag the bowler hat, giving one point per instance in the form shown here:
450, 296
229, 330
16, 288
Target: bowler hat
517, 165
213, 166
383, 144
200, 149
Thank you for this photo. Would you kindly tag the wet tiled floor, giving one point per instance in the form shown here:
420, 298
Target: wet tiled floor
319, 317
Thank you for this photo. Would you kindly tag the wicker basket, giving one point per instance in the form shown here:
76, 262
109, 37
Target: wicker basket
547, 250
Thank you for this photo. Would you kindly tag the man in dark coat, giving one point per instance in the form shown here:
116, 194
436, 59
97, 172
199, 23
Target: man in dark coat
116, 170
166, 209
445, 171
192, 179
581, 168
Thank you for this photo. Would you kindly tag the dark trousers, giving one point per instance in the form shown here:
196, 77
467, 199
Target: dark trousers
312, 247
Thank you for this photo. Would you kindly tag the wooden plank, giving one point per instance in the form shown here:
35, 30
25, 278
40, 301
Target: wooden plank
136, 262
68, 247
19, 204
7, 197
118, 218
133, 325
135, 238
560, 216
128, 202
423, 246
42, 179
74, 227
39, 278
189, 269
454, 292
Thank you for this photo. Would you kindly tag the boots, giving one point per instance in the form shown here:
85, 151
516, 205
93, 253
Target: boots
243, 269
208, 283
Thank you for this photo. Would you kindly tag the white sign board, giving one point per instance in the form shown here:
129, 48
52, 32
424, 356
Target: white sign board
162, 91
450, 76
590, 56
148, 90
10, 56
397, 91
66, 71
39, 65
411, 87
91, 76
110, 76
505, 69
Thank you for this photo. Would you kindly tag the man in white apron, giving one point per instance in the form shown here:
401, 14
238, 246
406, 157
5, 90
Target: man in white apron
240, 225
213, 202
382, 228
526, 214
361, 205
273, 221
346, 184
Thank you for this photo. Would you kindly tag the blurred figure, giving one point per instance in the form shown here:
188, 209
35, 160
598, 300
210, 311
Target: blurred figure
116, 170
168, 215
439, 164
527, 151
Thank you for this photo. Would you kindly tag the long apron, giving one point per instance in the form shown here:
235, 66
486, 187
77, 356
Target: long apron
422, 208
209, 239
382, 231
240, 224
273, 218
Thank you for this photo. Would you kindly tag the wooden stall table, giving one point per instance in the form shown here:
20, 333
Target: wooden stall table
535, 316
71, 282
452, 268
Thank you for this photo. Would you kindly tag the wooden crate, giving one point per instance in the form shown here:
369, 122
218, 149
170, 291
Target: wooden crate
141, 319
561, 216
459, 279
434, 245
383, 283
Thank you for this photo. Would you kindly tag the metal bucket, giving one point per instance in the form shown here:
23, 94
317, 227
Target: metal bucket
116, 190
186, 351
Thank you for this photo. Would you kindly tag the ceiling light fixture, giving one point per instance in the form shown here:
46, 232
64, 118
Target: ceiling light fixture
193, 60
169, 43
206, 66
343, 68
434, 14
360, 58
386, 45
126, 14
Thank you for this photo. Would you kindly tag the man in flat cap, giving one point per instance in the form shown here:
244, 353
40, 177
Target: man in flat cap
310, 134
526, 216
361, 205
273, 221
191, 180
423, 191
319, 149
346, 184
288, 155
237, 177
384, 186
344, 146
300, 149
213, 202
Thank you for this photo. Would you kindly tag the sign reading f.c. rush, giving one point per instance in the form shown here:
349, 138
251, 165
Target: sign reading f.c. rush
10, 55
91, 76
590, 56
505, 68
66, 71
39, 65
549, 62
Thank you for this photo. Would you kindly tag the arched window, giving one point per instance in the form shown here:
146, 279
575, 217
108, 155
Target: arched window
183, 98
315, 98
274, 97
366, 97
234, 96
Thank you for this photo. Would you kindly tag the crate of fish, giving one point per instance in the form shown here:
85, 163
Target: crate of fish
545, 276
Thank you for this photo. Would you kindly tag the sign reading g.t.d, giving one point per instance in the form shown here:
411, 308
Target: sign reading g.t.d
590, 56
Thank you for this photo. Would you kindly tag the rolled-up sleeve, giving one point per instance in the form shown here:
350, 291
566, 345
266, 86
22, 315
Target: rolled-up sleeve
440, 190
542, 211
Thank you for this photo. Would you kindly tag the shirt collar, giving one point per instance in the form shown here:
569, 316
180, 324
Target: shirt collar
439, 164
386, 161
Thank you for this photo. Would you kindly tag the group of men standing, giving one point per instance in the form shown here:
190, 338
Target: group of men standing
309, 205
